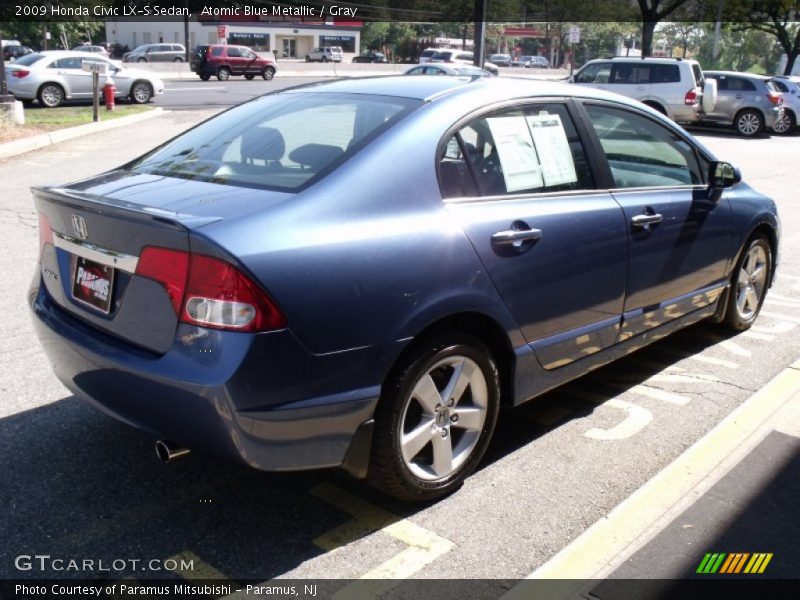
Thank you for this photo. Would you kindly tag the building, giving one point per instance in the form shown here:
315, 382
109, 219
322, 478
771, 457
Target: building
287, 39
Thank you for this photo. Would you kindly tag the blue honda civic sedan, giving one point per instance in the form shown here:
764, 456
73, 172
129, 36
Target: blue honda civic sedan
358, 274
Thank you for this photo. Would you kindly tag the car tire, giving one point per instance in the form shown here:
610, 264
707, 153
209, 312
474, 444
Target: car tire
51, 95
308, 58
749, 284
268, 73
205, 77
657, 107
141, 92
249, 76
141, 60
786, 125
178, 59
324, 59
749, 123
223, 73
425, 446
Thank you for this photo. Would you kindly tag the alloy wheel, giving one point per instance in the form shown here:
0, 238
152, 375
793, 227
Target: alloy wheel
443, 418
51, 95
748, 124
751, 283
141, 93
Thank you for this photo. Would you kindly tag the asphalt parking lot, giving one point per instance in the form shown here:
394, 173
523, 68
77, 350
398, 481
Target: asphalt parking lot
80, 485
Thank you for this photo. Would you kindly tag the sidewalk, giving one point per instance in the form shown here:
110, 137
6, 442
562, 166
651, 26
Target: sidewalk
734, 492
42, 140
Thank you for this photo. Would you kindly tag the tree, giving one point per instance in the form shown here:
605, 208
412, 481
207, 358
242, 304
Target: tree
651, 15
778, 18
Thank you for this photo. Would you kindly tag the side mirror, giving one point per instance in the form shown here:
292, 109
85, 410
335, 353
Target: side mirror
723, 175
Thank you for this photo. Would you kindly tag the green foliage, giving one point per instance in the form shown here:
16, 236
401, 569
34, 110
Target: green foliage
32, 33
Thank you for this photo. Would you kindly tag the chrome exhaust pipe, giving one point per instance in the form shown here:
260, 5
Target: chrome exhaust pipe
167, 451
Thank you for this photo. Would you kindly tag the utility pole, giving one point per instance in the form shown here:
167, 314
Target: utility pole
715, 46
186, 32
479, 45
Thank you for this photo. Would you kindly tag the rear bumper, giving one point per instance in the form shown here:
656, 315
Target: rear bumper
258, 399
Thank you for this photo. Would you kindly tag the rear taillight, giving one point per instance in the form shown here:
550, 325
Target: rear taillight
775, 97
210, 292
690, 97
168, 267
20, 73
45, 234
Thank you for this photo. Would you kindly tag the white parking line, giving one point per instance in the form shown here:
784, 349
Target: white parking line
781, 316
754, 335
637, 419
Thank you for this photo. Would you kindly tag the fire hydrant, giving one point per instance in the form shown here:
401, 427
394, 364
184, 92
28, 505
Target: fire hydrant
109, 89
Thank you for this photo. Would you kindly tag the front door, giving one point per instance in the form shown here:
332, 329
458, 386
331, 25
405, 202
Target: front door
520, 184
289, 48
679, 234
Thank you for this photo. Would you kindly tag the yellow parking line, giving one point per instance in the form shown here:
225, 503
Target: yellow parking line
424, 546
610, 541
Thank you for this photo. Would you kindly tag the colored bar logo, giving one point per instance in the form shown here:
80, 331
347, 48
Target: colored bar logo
734, 563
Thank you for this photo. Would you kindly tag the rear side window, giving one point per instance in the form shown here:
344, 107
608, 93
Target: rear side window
217, 51
740, 84
783, 88
665, 74
233, 51
698, 74
282, 141
516, 151
630, 73
641, 152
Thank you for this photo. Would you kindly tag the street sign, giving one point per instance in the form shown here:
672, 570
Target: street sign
222, 31
94, 66
574, 35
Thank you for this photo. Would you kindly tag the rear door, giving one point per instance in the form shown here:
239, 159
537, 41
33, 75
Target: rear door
631, 80
79, 82
521, 184
725, 108
680, 237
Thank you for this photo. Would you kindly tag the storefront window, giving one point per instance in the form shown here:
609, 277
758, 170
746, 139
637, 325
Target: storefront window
347, 42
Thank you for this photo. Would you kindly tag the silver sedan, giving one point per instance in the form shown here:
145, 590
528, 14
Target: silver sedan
57, 76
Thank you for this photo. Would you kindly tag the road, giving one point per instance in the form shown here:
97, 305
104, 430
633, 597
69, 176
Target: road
77, 484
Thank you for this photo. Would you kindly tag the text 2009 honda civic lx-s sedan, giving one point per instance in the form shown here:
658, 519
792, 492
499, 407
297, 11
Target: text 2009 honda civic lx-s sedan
360, 273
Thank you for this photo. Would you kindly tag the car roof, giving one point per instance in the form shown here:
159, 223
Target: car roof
739, 74
477, 92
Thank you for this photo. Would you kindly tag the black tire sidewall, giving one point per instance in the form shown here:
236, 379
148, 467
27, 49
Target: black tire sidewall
760, 120
388, 418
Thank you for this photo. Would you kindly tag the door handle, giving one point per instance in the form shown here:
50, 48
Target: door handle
739, 96
514, 236
646, 220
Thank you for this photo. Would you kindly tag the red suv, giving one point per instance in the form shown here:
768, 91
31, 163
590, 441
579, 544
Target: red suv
224, 61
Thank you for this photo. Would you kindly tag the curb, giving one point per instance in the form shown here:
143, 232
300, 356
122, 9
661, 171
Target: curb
36, 142
599, 550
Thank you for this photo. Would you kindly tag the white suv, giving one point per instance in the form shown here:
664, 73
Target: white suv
325, 54
460, 57
672, 86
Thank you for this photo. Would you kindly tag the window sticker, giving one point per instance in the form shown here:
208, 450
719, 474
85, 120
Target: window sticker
517, 154
555, 156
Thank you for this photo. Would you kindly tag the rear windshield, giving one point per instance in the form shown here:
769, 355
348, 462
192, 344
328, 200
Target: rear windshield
281, 141
427, 53
28, 60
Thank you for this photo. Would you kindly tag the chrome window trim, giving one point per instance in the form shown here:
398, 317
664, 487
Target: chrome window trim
104, 256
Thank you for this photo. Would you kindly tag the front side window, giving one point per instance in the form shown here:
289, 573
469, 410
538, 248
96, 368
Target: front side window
233, 52
596, 73
217, 51
641, 152
282, 141
531, 149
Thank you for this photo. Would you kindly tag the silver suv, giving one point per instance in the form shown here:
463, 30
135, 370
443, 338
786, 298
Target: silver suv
672, 86
790, 88
325, 54
751, 103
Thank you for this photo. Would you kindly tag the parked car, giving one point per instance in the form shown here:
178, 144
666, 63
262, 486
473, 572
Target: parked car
57, 76
426, 55
673, 87
440, 69
223, 61
156, 53
370, 57
790, 88
750, 103
538, 62
501, 60
99, 50
291, 289
12, 53
326, 54
461, 57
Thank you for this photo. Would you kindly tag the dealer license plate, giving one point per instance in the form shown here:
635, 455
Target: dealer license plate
92, 284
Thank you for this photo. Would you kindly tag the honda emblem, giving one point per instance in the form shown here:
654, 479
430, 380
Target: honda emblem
79, 227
